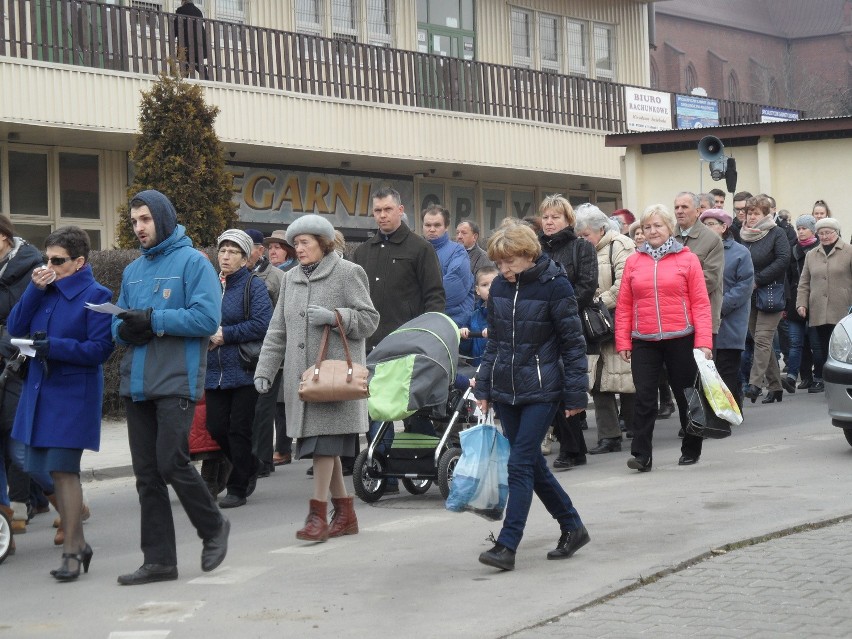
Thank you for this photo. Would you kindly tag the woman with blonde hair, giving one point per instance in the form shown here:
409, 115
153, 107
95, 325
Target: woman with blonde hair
533, 366
663, 312
580, 263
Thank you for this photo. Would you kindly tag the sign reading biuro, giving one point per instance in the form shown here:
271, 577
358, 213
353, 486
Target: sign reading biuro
278, 196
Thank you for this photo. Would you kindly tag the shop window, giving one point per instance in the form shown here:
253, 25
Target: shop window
28, 183
79, 188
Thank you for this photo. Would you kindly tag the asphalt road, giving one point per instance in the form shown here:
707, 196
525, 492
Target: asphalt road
413, 570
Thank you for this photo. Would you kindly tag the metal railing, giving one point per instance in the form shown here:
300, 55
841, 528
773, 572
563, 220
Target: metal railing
93, 34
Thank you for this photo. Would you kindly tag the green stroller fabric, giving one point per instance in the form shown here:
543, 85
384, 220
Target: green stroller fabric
413, 367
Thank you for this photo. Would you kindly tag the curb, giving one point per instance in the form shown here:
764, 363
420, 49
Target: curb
100, 474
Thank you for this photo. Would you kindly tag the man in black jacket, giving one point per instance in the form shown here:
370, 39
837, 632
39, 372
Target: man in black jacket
190, 24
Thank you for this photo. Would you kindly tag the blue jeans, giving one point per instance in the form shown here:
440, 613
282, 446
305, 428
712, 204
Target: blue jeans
525, 427
796, 331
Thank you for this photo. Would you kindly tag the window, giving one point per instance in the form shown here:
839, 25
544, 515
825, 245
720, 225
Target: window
353, 20
445, 27
230, 10
577, 48
149, 5
521, 38
733, 87
28, 183
79, 186
549, 42
691, 78
604, 42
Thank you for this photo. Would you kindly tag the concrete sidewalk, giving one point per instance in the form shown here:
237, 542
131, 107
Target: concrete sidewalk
113, 459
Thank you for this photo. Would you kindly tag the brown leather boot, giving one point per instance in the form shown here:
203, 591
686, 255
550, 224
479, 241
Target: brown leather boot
343, 519
316, 525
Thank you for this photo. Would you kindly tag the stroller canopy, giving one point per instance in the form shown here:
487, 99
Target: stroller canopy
413, 367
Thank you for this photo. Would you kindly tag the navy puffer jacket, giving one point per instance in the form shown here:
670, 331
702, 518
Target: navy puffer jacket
223, 362
536, 352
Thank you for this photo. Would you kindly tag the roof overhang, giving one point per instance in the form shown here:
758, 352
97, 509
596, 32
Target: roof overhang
736, 134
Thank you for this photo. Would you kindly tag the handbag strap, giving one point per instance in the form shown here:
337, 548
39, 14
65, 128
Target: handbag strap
247, 297
324, 347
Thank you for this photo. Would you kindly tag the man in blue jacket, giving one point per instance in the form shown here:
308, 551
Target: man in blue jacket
174, 301
455, 264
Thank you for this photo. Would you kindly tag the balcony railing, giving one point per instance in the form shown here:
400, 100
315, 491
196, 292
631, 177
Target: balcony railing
93, 34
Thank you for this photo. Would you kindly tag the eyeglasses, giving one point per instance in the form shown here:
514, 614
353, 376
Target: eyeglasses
826, 232
230, 251
56, 261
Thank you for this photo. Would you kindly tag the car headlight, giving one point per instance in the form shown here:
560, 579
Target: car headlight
840, 346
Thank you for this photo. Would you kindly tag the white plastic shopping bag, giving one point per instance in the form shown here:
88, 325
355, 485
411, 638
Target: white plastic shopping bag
718, 395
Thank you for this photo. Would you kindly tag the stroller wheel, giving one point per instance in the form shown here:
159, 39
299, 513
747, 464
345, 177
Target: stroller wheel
417, 486
446, 466
5, 537
368, 486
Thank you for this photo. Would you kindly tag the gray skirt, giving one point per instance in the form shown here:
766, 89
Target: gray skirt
327, 445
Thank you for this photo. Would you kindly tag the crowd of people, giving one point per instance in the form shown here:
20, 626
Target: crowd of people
745, 289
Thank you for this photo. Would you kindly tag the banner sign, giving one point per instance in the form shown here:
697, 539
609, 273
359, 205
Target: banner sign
768, 114
648, 110
696, 113
270, 195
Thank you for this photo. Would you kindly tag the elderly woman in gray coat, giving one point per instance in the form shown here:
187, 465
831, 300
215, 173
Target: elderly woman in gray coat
310, 294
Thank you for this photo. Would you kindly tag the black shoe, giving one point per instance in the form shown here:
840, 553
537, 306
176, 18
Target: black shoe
498, 557
215, 548
789, 383
563, 462
82, 559
687, 460
639, 463
805, 384
149, 573
607, 445
231, 501
628, 434
310, 472
666, 410
752, 392
773, 396
817, 387
681, 433
570, 542
347, 470
252, 484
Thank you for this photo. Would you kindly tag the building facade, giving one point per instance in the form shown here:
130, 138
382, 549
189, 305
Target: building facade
483, 106
787, 53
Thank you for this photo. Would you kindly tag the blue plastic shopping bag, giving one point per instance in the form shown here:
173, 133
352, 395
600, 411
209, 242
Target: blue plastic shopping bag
481, 476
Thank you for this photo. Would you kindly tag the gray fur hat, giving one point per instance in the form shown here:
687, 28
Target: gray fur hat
310, 224
808, 221
238, 237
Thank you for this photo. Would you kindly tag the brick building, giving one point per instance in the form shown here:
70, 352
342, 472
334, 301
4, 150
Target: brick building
785, 52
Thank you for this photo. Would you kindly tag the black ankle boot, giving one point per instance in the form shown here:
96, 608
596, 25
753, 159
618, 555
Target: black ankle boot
498, 557
607, 445
773, 396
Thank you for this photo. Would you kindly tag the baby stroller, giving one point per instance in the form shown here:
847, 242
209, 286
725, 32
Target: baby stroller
412, 371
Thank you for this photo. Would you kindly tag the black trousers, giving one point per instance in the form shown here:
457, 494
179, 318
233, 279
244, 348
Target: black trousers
728, 365
647, 360
230, 416
17, 477
158, 432
569, 432
263, 429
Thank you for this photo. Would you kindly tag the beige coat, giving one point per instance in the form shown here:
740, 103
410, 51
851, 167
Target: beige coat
335, 284
616, 376
707, 246
825, 287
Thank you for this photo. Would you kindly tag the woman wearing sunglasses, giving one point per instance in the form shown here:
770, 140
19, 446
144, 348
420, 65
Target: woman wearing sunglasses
59, 413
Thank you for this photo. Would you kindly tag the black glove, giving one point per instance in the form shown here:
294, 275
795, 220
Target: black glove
135, 327
41, 347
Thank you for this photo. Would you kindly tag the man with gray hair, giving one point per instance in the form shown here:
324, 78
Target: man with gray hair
705, 201
706, 244
467, 234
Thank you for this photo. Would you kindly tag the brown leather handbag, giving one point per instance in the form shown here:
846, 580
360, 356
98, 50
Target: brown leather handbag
332, 380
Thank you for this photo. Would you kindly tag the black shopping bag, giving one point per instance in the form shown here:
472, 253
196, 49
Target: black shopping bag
703, 422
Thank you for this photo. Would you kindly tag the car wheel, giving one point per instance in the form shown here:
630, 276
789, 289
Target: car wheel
848, 433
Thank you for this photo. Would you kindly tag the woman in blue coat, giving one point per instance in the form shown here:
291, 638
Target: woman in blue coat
534, 364
59, 413
229, 385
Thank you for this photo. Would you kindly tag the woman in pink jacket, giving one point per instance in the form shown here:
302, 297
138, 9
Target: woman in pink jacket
663, 312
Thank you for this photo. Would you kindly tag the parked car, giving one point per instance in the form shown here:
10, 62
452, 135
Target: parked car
837, 375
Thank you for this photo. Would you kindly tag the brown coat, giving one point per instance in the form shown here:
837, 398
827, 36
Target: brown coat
825, 287
707, 246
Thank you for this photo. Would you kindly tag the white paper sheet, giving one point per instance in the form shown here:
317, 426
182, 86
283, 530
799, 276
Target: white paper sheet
25, 346
112, 309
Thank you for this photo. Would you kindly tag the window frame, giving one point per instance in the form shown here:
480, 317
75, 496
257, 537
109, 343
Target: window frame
362, 32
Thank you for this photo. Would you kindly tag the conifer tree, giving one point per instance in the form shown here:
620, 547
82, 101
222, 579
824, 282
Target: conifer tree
178, 152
